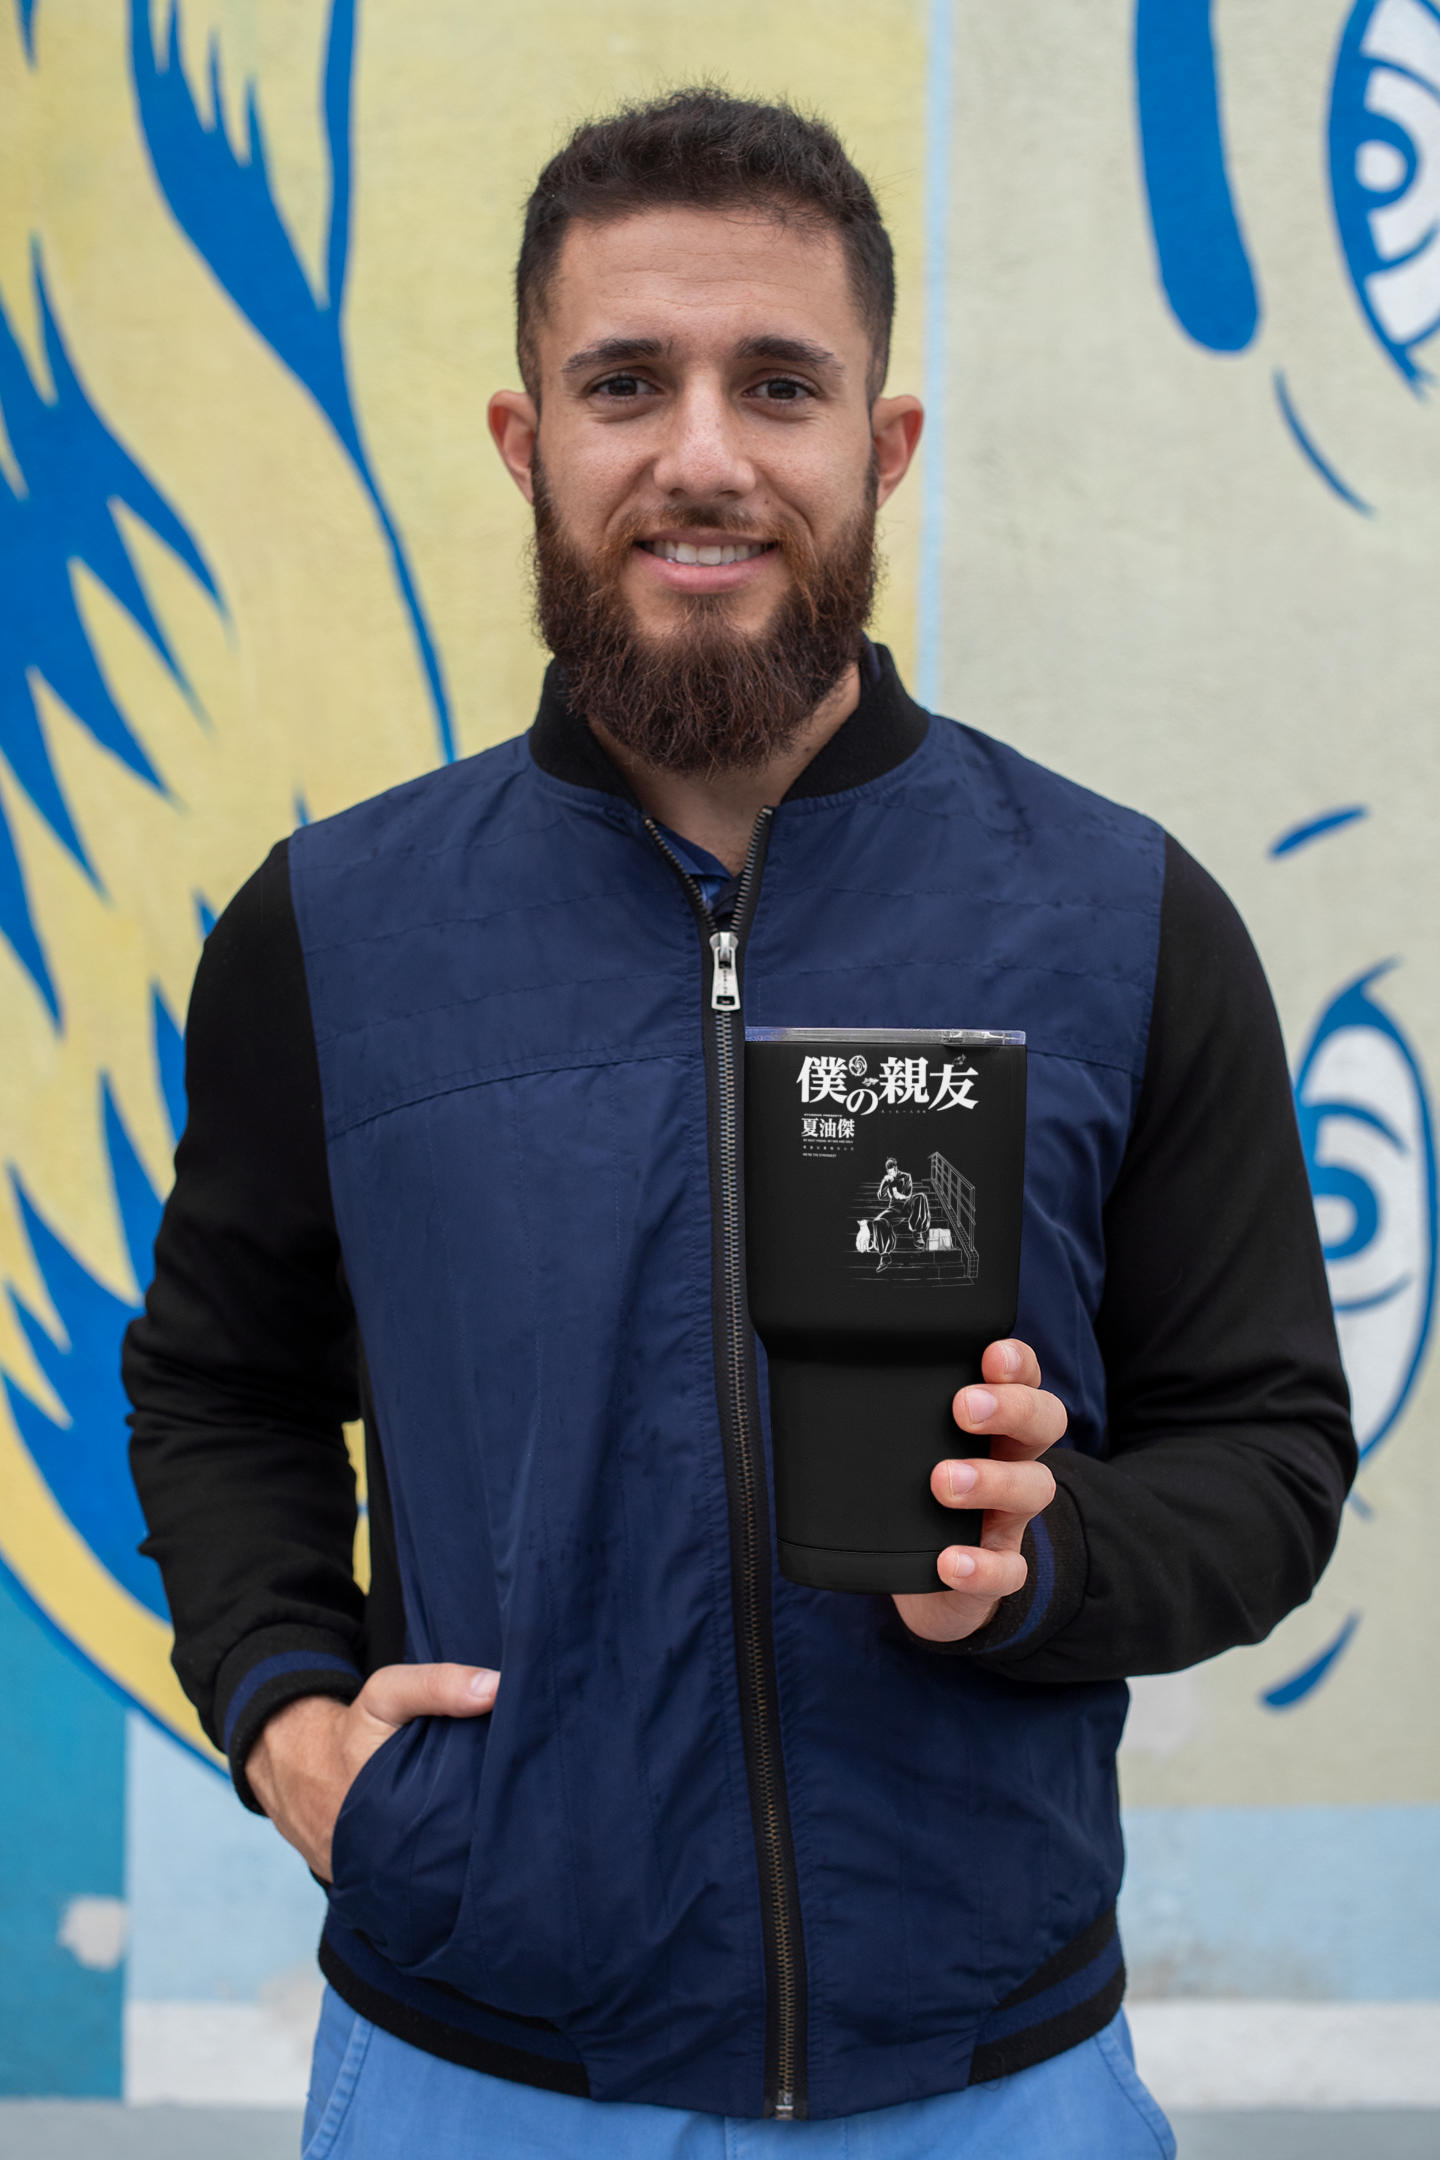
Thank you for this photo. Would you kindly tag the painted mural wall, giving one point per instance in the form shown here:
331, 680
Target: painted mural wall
1170, 274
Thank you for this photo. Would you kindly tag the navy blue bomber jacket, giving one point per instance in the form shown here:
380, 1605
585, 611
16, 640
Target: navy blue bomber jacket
462, 1126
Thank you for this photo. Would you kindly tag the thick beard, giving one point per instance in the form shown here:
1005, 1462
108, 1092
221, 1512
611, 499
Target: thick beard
707, 698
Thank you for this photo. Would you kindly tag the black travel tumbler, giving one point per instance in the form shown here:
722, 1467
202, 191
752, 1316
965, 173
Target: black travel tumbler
884, 1176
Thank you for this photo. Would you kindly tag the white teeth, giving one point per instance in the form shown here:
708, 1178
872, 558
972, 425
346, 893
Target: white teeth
708, 558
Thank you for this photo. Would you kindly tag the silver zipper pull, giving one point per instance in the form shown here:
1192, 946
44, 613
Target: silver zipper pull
725, 988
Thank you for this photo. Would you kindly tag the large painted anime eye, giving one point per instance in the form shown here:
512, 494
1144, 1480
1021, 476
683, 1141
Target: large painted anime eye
1385, 169
1365, 1123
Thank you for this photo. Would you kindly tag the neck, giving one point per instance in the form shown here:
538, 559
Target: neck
718, 810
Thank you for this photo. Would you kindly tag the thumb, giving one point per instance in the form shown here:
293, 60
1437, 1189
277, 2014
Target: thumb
397, 1693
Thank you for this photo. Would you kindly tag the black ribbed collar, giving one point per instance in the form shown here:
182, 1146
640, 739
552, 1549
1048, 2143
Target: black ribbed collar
886, 727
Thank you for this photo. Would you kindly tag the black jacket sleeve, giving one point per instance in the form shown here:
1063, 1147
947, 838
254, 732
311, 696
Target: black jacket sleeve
1229, 1449
242, 1369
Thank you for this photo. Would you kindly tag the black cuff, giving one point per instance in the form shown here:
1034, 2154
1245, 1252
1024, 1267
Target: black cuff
1056, 1570
267, 1670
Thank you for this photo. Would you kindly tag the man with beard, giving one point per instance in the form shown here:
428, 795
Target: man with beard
464, 1158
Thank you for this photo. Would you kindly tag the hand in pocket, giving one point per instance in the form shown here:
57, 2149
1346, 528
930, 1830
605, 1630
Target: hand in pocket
310, 1752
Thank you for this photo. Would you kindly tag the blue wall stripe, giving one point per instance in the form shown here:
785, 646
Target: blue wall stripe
1303, 1683
934, 482
1308, 449
1309, 829
1201, 254
61, 1836
1291, 1903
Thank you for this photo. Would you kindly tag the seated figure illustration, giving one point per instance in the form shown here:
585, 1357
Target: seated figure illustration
904, 1212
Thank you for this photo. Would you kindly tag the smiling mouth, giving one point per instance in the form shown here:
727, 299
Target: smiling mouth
707, 558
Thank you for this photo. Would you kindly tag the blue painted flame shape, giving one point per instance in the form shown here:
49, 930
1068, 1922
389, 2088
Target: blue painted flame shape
1200, 249
73, 472
1366, 1126
1385, 170
228, 209
85, 1462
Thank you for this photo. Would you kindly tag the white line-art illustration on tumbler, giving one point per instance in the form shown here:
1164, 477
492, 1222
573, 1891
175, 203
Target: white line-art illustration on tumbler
921, 1229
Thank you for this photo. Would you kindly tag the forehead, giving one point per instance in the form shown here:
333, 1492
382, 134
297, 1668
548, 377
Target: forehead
699, 277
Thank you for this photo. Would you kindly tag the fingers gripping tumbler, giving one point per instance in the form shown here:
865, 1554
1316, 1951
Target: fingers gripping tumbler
884, 1176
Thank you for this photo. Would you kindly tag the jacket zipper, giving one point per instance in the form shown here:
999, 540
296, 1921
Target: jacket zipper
749, 1501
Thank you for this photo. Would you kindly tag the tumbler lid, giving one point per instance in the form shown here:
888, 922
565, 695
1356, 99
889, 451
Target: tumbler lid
884, 1035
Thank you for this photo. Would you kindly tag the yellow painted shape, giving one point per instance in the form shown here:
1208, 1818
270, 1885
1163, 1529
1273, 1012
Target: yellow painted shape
355, 1449
275, 48
306, 682
112, 1629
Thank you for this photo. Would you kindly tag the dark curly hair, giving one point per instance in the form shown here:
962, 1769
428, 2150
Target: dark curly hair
703, 149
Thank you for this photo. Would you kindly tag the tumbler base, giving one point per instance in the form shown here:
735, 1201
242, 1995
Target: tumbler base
819, 1567
855, 1446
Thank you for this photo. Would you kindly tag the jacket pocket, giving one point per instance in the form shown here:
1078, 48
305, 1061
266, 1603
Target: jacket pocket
402, 1841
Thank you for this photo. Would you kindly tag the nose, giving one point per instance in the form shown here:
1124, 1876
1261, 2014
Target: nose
703, 455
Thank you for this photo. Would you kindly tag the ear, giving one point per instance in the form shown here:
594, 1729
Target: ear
514, 423
895, 424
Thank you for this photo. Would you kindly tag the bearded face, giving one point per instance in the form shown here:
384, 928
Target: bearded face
703, 695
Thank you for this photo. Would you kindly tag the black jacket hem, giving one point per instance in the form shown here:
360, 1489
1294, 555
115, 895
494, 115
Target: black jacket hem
1073, 1996
1065, 2002
455, 2042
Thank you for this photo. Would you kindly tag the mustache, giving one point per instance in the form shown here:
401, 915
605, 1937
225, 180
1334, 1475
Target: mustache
787, 535
704, 697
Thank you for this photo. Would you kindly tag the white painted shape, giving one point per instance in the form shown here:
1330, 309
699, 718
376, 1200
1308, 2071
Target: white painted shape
1379, 166
1336, 1218
1376, 1348
1403, 225
1397, 1179
1288, 2054
1408, 34
1406, 299
1192, 2054
211, 2054
94, 1930
1164, 1713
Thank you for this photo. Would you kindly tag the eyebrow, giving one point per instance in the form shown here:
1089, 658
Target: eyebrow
613, 352
610, 351
799, 352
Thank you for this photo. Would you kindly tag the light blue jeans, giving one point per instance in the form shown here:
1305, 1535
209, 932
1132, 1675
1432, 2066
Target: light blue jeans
374, 2098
